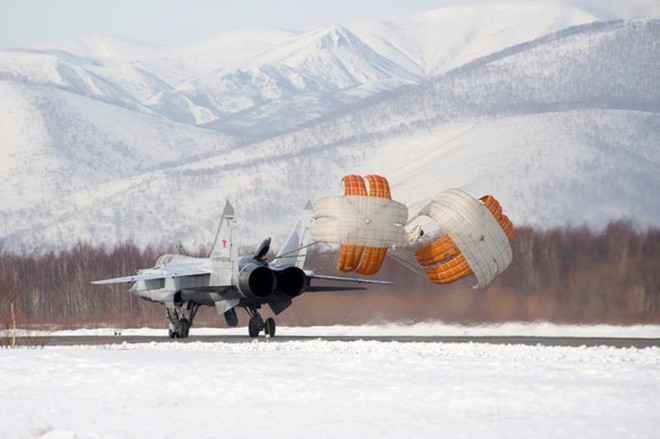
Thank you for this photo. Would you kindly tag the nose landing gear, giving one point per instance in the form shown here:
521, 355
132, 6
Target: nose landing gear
179, 323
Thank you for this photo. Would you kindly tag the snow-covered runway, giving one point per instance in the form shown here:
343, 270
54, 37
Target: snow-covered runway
329, 389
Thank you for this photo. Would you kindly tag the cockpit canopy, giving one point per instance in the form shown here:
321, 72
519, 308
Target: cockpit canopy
164, 260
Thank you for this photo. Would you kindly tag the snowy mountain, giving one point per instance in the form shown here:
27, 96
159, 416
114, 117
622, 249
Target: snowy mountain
553, 107
301, 80
437, 41
103, 47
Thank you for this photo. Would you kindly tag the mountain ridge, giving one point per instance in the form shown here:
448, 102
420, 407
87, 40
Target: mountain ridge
545, 124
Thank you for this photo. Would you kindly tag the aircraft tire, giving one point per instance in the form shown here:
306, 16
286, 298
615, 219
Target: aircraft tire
269, 328
184, 328
253, 328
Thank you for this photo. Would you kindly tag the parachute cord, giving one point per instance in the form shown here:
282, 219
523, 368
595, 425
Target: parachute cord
294, 251
409, 264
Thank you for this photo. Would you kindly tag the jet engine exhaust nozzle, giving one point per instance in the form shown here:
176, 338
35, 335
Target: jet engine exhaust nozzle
291, 282
256, 281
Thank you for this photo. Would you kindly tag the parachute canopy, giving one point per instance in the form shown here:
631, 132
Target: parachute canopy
365, 222
475, 239
473, 234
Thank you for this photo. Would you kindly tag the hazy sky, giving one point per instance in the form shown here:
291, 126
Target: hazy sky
32, 22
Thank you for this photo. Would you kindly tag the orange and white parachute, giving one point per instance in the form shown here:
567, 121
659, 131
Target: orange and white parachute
474, 239
468, 237
365, 221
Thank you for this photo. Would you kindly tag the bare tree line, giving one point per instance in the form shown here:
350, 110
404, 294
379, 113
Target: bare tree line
560, 275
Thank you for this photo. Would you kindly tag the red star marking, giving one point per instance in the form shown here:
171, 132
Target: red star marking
224, 243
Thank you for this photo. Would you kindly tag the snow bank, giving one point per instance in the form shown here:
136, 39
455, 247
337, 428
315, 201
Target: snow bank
321, 389
428, 329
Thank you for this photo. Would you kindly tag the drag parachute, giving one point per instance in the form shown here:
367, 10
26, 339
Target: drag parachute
364, 221
463, 236
474, 239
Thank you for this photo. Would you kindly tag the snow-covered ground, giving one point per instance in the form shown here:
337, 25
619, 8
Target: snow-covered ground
332, 389
425, 329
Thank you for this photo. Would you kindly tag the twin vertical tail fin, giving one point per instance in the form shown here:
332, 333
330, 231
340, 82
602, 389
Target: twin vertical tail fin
224, 253
294, 250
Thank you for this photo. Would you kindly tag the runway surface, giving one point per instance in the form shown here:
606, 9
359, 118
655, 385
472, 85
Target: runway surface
543, 341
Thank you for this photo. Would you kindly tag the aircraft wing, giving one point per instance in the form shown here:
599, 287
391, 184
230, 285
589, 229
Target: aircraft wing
150, 276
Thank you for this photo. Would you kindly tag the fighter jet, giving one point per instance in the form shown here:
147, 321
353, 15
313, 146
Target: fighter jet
184, 283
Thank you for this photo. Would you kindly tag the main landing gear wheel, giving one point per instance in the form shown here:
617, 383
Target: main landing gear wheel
269, 328
184, 328
181, 330
257, 324
254, 327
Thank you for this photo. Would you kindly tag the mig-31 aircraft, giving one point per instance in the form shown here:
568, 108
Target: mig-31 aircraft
453, 237
184, 283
